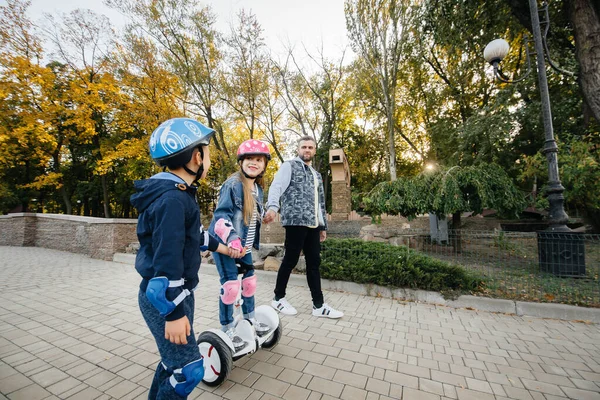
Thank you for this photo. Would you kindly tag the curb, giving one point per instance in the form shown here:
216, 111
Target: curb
519, 308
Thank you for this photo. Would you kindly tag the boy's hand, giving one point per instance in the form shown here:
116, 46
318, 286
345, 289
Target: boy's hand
177, 331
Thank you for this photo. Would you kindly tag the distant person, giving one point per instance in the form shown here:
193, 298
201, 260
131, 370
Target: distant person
297, 194
236, 223
171, 238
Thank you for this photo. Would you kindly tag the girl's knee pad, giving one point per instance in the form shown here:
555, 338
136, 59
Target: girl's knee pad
249, 286
229, 291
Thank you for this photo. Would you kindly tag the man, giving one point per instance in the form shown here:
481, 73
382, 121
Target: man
297, 193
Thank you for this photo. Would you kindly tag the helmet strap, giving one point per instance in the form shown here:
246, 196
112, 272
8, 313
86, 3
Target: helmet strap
197, 174
252, 177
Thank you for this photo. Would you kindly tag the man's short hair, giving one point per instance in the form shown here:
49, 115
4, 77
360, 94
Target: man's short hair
307, 139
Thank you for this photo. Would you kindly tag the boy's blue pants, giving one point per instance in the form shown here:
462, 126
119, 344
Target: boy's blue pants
174, 356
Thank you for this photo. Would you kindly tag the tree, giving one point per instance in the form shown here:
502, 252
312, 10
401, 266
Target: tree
25, 143
272, 107
247, 75
82, 41
379, 32
190, 43
448, 191
584, 17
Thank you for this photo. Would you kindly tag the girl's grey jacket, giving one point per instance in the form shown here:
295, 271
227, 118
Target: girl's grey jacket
297, 194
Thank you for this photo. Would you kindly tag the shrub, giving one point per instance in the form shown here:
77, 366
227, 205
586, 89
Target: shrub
397, 266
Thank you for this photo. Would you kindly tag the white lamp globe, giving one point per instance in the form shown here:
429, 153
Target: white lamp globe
496, 50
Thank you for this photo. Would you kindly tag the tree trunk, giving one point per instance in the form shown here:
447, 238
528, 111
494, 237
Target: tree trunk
457, 237
391, 142
586, 23
66, 200
105, 202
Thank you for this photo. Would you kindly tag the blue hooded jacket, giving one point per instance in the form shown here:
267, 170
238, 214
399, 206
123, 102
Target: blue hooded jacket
170, 233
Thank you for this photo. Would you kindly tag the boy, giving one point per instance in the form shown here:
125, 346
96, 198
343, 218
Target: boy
171, 238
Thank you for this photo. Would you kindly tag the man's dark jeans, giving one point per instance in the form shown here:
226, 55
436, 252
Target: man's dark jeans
297, 239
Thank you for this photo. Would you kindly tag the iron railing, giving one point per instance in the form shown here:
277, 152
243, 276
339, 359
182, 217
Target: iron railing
533, 266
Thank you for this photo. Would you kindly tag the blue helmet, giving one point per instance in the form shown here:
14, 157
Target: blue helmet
172, 143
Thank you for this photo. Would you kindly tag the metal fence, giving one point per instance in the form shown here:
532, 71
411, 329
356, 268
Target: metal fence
538, 266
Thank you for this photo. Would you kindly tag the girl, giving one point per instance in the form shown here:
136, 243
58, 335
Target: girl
236, 223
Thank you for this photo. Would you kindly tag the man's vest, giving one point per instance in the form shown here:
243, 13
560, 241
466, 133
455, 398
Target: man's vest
298, 201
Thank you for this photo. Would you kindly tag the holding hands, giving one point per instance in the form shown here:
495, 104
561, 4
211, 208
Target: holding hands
235, 249
269, 217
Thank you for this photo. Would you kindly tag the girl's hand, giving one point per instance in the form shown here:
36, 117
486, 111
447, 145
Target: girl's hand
235, 249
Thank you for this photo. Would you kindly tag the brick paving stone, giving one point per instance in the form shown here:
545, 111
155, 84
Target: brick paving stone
349, 378
325, 386
427, 385
238, 392
352, 393
271, 386
517, 393
88, 393
414, 394
466, 394
63, 386
296, 393
31, 392
291, 376
579, 394
267, 369
49, 377
87, 326
319, 370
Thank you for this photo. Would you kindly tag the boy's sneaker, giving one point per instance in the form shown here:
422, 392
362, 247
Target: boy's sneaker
238, 342
283, 307
260, 327
326, 311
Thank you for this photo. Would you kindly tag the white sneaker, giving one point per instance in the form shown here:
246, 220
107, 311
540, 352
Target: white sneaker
259, 327
238, 342
283, 307
327, 311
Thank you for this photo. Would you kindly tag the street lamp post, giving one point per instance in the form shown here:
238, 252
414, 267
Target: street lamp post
563, 253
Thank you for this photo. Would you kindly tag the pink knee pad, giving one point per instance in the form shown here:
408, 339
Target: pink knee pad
229, 291
223, 228
249, 286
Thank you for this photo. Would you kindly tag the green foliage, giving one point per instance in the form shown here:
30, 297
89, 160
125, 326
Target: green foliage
397, 266
450, 191
579, 168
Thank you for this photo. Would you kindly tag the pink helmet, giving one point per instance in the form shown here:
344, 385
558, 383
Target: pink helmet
253, 147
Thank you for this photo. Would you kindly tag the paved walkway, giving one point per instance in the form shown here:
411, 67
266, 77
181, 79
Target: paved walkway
70, 329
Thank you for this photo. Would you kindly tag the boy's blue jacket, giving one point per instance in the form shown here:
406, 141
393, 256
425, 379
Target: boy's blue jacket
230, 208
170, 233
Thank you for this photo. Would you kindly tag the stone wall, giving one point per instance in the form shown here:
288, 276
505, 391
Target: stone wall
96, 237
341, 201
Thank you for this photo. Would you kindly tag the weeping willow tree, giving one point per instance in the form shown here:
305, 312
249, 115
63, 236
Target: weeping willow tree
448, 191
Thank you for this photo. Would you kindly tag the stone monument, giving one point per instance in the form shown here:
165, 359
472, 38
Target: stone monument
341, 200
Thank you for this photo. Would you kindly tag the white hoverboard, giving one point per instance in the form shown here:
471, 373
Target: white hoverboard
217, 348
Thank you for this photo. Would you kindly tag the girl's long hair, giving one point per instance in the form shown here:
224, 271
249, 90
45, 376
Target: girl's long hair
249, 201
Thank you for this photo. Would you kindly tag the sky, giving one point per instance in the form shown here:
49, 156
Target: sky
299, 22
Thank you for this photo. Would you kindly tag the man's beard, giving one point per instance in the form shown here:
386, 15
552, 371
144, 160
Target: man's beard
306, 157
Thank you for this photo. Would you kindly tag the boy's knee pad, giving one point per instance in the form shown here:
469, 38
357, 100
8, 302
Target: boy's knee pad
229, 291
193, 373
249, 286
